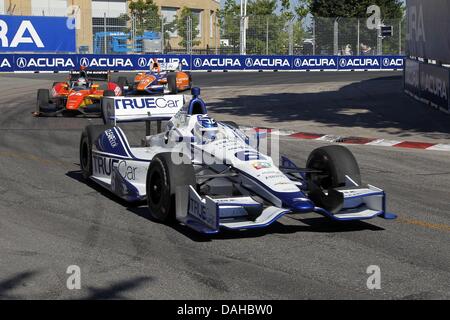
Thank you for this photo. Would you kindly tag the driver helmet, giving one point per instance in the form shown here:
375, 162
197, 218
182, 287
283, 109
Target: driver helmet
155, 67
81, 82
205, 129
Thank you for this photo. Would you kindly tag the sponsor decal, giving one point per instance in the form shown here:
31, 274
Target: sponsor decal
434, 85
314, 62
393, 62
111, 138
5, 63
106, 62
358, 62
84, 62
249, 155
44, 62
258, 165
216, 62
35, 34
267, 62
26, 33
146, 103
104, 166
197, 209
142, 62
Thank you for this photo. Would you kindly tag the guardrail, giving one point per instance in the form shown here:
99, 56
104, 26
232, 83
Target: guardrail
66, 62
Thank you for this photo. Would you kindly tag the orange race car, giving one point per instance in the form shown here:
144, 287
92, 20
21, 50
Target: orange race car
79, 95
162, 78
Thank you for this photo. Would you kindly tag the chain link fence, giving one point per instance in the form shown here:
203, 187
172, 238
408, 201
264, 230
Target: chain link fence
122, 33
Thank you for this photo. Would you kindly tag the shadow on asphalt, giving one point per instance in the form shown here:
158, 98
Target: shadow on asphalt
379, 104
318, 224
116, 290
112, 291
9, 284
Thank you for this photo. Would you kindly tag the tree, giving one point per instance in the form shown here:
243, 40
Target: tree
181, 25
267, 28
229, 22
392, 9
146, 15
346, 14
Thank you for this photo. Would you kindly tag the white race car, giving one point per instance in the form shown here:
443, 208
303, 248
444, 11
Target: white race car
207, 175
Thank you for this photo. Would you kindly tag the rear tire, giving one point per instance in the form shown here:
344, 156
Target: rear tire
88, 138
107, 93
163, 178
172, 83
190, 80
122, 82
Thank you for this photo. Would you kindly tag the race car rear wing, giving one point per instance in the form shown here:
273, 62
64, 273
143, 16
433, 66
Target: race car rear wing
144, 108
90, 74
170, 66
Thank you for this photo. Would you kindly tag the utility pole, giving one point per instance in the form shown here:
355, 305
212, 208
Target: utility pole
243, 27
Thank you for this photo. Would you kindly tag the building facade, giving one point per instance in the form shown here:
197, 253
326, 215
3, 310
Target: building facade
100, 16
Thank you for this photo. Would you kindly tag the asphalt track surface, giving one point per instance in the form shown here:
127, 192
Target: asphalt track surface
50, 219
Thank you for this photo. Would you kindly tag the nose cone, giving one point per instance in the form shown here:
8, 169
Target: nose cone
74, 100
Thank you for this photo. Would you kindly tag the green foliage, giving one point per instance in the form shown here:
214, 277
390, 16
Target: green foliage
268, 28
181, 26
354, 8
146, 15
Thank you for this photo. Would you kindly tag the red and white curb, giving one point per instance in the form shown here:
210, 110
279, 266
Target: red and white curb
357, 140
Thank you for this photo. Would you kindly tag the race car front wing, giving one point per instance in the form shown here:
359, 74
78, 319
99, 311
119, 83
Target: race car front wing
208, 215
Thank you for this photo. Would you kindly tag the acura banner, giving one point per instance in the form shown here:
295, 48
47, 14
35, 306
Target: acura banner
36, 34
428, 82
134, 62
428, 23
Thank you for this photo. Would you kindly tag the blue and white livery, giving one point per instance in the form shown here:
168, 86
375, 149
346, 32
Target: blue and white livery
208, 175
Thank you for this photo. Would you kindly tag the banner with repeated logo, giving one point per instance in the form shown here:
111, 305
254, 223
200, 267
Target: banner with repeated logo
137, 62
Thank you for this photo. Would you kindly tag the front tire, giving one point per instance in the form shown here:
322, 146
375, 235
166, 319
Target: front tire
43, 101
163, 178
335, 162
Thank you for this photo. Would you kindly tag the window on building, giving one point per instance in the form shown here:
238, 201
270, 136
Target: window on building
106, 16
198, 14
55, 8
169, 15
112, 8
